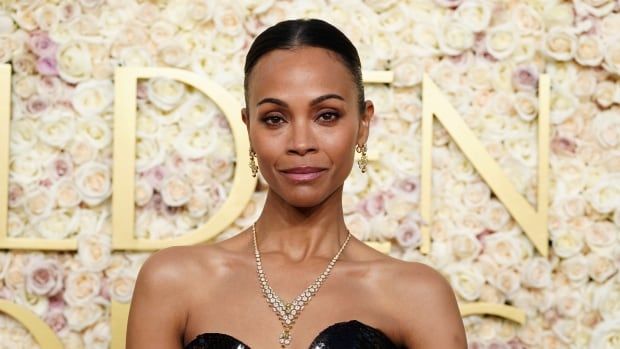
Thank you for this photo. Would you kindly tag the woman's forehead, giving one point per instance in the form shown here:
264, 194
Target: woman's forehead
305, 69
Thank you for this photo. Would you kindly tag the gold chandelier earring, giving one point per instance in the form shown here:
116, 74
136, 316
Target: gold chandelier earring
253, 165
363, 161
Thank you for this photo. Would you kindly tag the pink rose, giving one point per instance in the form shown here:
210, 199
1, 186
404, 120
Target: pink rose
525, 77
37, 105
47, 66
563, 146
61, 167
56, 320
16, 194
41, 44
155, 176
43, 276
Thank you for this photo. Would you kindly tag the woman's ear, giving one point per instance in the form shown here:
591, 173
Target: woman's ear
245, 118
366, 118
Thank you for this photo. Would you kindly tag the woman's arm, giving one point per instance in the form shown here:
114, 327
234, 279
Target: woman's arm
431, 313
158, 307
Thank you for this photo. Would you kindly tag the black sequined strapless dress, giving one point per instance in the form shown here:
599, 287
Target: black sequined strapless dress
351, 334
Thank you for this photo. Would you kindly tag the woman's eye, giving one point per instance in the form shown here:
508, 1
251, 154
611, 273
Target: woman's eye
328, 116
273, 120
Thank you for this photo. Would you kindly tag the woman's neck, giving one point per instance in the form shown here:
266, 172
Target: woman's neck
301, 233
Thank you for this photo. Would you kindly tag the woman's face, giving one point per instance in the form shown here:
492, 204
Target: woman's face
303, 120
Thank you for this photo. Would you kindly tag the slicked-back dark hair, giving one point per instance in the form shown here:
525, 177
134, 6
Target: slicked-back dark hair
296, 33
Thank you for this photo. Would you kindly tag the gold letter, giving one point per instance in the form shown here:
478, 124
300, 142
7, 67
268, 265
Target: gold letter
42, 333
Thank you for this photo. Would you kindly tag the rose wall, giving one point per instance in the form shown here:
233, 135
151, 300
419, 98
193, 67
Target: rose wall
485, 56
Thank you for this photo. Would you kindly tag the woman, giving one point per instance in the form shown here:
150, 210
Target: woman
305, 115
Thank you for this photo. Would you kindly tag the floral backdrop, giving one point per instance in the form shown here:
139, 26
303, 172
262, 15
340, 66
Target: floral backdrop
486, 56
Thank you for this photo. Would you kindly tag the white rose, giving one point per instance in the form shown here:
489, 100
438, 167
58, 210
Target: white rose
24, 86
576, 269
476, 194
536, 273
526, 106
525, 51
598, 8
568, 302
407, 72
58, 225
38, 203
134, 56
25, 168
74, 62
528, 20
562, 104
92, 97
604, 196
195, 143
560, 44
81, 151
358, 225
600, 268
466, 280
584, 84
161, 228
465, 246
495, 215
606, 299
81, 316
501, 41
173, 53
425, 39
96, 131
474, 14
57, 130
93, 181
604, 93
149, 154
568, 243
507, 281
559, 15
81, 287
165, 93
589, 51
197, 111
198, 205
98, 336
228, 20
610, 25
94, 251
454, 37
175, 191
15, 225
122, 286
606, 335
612, 57
66, 193
23, 135
601, 238
221, 168
382, 227
143, 192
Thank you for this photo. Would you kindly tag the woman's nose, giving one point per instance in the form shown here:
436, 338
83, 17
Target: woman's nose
302, 138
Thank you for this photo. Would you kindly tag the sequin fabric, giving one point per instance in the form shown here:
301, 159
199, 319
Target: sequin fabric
351, 334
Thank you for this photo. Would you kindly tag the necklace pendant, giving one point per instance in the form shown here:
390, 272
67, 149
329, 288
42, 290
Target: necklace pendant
285, 338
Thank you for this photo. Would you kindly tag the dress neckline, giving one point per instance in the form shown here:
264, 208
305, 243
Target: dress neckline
340, 323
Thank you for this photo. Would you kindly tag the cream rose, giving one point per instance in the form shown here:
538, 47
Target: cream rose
602, 237
358, 225
93, 181
612, 57
94, 251
466, 280
198, 205
92, 97
584, 84
528, 20
495, 215
576, 269
568, 243
604, 93
560, 43
598, 8
26, 168
96, 131
589, 51
24, 86
23, 135
98, 336
66, 193
59, 224
74, 61
526, 106
38, 203
143, 192
474, 14
507, 281
563, 105
557, 15
57, 130
501, 41
600, 268
604, 196
454, 37
173, 53
606, 299
606, 335
15, 225
149, 154
536, 273
81, 316
165, 93
81, 288
175, 191
465, 246
568, 302
81, 151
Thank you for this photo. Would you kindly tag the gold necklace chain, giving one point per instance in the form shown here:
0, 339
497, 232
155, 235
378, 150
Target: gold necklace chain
288, 312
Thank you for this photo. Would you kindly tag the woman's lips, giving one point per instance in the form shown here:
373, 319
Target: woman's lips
303, 174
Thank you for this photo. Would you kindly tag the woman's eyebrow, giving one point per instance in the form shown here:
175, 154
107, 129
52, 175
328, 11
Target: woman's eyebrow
317, 100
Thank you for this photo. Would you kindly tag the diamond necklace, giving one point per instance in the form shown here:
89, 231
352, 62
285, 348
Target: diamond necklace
288, 312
